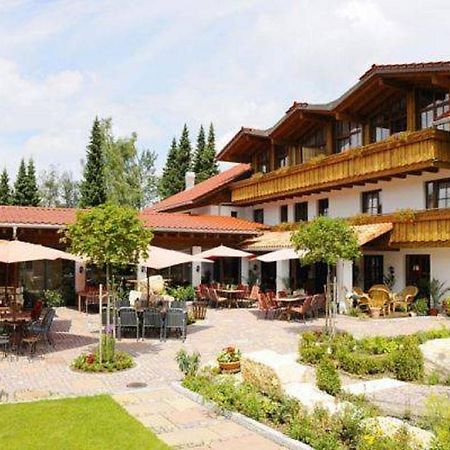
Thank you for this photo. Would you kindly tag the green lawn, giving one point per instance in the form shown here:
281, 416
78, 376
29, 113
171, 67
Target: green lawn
83, 423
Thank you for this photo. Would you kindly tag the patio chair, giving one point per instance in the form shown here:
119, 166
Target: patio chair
405, 297
112, 320
176, 320
37, 310
315, 304
215, 299
178, 304
304, 309
363, 300
128, 319
41, 330
379, 298
152, 319
266, 306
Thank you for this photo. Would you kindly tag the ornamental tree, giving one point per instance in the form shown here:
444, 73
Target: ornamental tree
109, 235
5, 190
326, 240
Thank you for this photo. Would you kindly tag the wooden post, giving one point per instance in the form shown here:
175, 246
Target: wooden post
411, 120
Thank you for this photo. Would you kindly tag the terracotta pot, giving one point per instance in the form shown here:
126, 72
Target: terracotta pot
375, 312
433, 312
231, 367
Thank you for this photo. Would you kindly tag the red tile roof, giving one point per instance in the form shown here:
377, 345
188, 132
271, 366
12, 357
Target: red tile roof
213, 184
188, 222
408, 67
56, 217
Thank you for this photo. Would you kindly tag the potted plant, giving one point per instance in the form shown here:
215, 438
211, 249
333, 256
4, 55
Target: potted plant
437, 291
229, 360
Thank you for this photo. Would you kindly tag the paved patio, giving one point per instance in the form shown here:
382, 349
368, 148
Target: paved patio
48, 374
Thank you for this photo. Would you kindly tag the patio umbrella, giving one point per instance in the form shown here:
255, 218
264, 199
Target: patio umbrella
282, 255
161, 258
18, 251
224, 252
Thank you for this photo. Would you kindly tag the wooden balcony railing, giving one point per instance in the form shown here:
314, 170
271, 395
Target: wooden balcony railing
409, 152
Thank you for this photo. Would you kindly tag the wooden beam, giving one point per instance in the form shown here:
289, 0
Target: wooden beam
411, 116
441, 81
394, 84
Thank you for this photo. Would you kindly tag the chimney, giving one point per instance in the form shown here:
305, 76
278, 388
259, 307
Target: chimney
189, 180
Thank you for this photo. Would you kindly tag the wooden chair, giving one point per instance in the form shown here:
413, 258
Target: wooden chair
265, 305
216, 300
304, 309
405, 297
364, 299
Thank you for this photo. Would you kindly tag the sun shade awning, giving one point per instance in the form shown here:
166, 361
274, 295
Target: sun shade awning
224, 252
281, 255
276, 240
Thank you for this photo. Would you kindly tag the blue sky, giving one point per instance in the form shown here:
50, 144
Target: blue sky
152, 65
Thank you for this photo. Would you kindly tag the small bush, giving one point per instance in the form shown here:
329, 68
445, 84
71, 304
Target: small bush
90, 362
420, 307
188, 364
327, 377
408, 361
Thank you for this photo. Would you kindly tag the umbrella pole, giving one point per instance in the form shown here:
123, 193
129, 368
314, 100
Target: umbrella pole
6, 283
148, 286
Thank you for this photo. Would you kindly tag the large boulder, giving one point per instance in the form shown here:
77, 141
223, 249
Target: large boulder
389, 426
436, 355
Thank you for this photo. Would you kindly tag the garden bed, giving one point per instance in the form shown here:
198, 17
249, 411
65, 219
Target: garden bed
398, 356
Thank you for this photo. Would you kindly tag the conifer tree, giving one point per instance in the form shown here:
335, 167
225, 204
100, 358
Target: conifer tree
32, 190
183, 159
197, 165
5, 191
167, 185
93, 188
20, 196
209, 161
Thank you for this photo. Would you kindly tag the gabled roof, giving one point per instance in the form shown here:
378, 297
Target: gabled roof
190, 197
59, 217
302, 112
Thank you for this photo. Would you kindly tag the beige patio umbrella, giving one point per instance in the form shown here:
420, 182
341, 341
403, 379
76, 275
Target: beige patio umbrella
224, 252
281, 255
161, 258
12, 252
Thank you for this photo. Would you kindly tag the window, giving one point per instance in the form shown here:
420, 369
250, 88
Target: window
438, 194
301, 212
262, 162
347, 135
281, 156
234, 214
431, 105
390, 120
283, 213
371, 203
258, 215
323, 207
315, 144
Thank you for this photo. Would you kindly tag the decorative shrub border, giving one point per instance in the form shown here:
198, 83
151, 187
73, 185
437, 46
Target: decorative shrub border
252, 425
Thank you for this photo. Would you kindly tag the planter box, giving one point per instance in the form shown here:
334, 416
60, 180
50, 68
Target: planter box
231, 367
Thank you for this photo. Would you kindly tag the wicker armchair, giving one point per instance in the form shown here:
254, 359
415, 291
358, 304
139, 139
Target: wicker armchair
405, 297
379, 298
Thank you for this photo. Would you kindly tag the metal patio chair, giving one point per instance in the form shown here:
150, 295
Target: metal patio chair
176, 319
152, 320
128, 319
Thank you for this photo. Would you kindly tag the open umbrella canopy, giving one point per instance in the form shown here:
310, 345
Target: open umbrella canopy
18, 251
281, 255
160, 258
224, 252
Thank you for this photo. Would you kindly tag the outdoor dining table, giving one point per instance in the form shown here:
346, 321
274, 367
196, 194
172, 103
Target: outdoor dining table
233, 295
16, 321
288, 303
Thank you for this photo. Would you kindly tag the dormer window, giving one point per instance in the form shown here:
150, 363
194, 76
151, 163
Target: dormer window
347, 135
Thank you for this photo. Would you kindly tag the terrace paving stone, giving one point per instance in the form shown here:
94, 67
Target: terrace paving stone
49, 373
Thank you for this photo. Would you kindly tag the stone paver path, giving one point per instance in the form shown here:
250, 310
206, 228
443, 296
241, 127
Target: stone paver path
182, 423
49, 374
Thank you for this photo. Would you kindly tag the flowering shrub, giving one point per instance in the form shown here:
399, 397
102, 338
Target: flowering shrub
327, 377
229, 355
261, 376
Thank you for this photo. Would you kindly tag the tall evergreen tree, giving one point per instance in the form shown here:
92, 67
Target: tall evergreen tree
20, 196
167, 185
209, 165
197, 165
32, 190
183, 159
5, 191
93, 188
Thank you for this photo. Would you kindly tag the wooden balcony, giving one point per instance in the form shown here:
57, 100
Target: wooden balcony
398, 156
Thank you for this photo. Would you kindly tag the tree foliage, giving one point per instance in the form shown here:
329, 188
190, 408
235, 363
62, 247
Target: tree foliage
69, 190
326, 240
25, 187
205, 163
93, 188
32, 185
169, 182
5, 190
58, 190
109, 235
